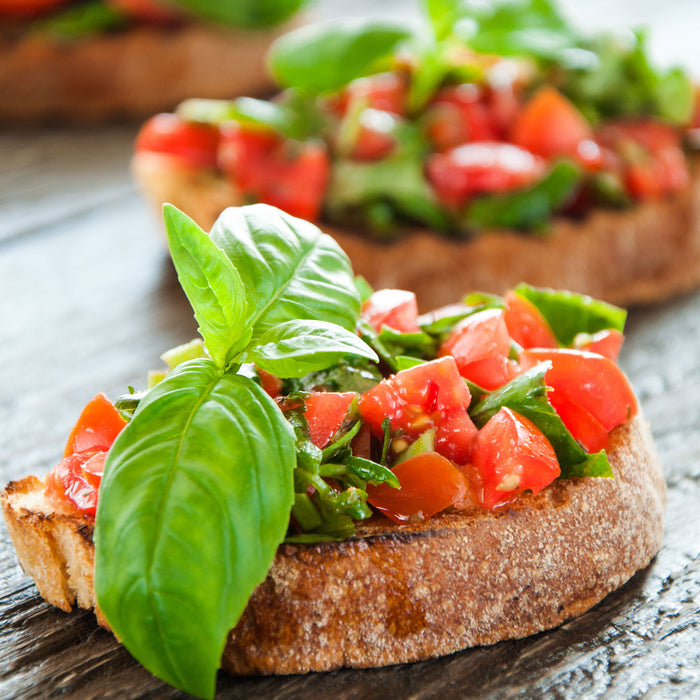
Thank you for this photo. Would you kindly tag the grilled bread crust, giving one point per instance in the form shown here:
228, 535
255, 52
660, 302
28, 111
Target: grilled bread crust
400, 593
640, 255
128, 74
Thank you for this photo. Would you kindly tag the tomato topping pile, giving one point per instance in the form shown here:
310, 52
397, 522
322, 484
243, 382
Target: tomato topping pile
475, 418
76, 479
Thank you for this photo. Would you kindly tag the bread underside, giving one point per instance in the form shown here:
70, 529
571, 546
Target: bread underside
132, 73
642, 254
400, 593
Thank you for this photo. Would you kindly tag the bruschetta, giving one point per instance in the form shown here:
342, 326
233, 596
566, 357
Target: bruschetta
327, 478
92, 60
445, 162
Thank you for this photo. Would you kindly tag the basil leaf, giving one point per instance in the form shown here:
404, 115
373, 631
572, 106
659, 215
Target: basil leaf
212, 285
325, 56
83, 20
442, 15
525, 209
297, 271
569, 314
248, 14
397, 343
527, 395
195, 499
295, 348
370, 471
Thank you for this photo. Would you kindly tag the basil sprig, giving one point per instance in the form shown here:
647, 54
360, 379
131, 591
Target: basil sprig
198, 488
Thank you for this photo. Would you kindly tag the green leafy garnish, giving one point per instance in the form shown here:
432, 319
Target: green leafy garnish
569, 314
248, 14
323, 57
198, 489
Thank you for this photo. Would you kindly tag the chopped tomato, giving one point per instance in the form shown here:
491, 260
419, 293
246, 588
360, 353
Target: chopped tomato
526, 325
476, 168
396, 308
291, 175
76, 479
429, 484
384, 91
550, 125
593, 382
271, 384
652, 162
579, 422
325, 412
414, 400
459, 114
480, 345
375, 136
148, 10
511, 455
97, 427
196, 145
28, 8
607, 343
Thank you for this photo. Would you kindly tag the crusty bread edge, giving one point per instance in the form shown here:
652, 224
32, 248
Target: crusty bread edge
643, 254
396, 594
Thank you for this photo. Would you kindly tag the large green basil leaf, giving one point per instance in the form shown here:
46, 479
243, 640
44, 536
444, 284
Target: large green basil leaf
323, 57
527, 395
248, 14
569, 314
212, 285
295, 348
195, 499
297, 271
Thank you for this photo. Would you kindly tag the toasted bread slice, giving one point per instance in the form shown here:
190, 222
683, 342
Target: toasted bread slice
132, 73
399, 593
643, 254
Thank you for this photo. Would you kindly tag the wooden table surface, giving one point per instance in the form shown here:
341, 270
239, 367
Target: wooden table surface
89, 301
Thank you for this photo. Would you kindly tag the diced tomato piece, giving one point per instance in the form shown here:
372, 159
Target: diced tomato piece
325, 412
148, 10
414, 400
457, 115
511, 455
271, 384
526, 325
383, 91
375, 136
28, 8
504, 107
482, 167
76, 479
429, 484
396, 308
579, 422
480, 345
195, 145
291, 175
607, 343
549, 125
652, 162
594, 382
97, 427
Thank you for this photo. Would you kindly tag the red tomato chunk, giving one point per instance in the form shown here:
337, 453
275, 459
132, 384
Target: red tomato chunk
526, 325
511, 455
592, 382
429, 484
428, 395
325, 412
395, 308
97, 427
76, 479
195, 145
